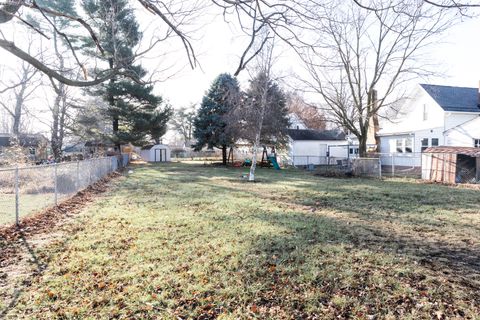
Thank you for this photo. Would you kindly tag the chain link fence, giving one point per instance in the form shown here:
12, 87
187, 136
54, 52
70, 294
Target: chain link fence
375, 165
26, 190
400, 164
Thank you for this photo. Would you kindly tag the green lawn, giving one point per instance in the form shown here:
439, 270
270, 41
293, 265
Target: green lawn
29, 204
184, 241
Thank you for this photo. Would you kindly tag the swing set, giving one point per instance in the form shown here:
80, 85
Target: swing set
268, 160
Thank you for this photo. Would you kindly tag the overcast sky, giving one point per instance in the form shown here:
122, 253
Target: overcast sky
218, 46
457, 56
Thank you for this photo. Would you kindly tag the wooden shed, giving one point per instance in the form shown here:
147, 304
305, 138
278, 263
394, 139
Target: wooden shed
451, 164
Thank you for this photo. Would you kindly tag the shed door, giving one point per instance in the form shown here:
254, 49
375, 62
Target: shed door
160, 155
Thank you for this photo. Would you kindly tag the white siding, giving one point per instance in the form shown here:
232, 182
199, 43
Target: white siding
149, 154
454, 119
304, 152
412, 115
388, 144
464, 135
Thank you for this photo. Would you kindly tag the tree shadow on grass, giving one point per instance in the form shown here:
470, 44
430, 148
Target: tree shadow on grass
310, 245
36, 265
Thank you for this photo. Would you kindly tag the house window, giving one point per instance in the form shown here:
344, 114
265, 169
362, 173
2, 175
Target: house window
424, 144
425, 113
31, 151
476, 143
408, 145
404, 145
434, 142
400, 145
354, 151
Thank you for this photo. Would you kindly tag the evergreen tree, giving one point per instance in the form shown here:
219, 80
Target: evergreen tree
211, 120
135, 111
273, 105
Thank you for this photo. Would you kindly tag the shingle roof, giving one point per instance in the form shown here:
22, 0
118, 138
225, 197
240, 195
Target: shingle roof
458, 99
306, 134
469, 151
25, 140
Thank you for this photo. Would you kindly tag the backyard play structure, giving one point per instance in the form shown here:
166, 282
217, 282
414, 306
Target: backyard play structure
268, 160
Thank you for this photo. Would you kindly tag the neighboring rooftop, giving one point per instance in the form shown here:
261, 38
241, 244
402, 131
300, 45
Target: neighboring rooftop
25, 140
307, 134
457, 99
469, 151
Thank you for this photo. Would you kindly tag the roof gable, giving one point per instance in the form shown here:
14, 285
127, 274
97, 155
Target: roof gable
307, 134
454, 99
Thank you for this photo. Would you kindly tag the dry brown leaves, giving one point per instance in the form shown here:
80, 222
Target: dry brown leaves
46, 221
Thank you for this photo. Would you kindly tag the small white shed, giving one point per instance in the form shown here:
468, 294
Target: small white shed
156, 153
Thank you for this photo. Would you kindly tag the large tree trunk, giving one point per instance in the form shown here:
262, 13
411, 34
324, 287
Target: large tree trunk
54, 140
59, 109
111, 102
375, 121
17, 113
362, 146
224, 155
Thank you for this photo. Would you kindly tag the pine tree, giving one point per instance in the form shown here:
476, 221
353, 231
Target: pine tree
135, 111
210, 122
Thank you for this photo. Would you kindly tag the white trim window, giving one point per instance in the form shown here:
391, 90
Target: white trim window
435, 142
399, 145
424, 144
404, 145
476, 143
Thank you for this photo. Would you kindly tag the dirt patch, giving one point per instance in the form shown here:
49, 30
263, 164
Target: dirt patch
19, 257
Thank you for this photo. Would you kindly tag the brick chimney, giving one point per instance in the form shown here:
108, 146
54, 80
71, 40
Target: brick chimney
478, 95
374, 123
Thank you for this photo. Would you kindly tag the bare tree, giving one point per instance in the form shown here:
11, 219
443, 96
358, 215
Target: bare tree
173, 15
182, 121
447, 4
20, 91
60, 105
262, 118
360, 51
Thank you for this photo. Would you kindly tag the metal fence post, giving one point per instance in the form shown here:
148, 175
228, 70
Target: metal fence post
55, 165
393, 164
78, 175
380, 168
17, 198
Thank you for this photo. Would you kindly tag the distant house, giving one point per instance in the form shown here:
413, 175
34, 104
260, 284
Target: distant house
296, 122
434, 116
33, 146
313, 147
98, 148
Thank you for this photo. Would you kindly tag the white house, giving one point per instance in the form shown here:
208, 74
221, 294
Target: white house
156, 153
296, 122
434, 116
314, 146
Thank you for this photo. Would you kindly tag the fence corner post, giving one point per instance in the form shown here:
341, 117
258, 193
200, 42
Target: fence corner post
380, 168
393, 165
17, 198
56, 182
78, 175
